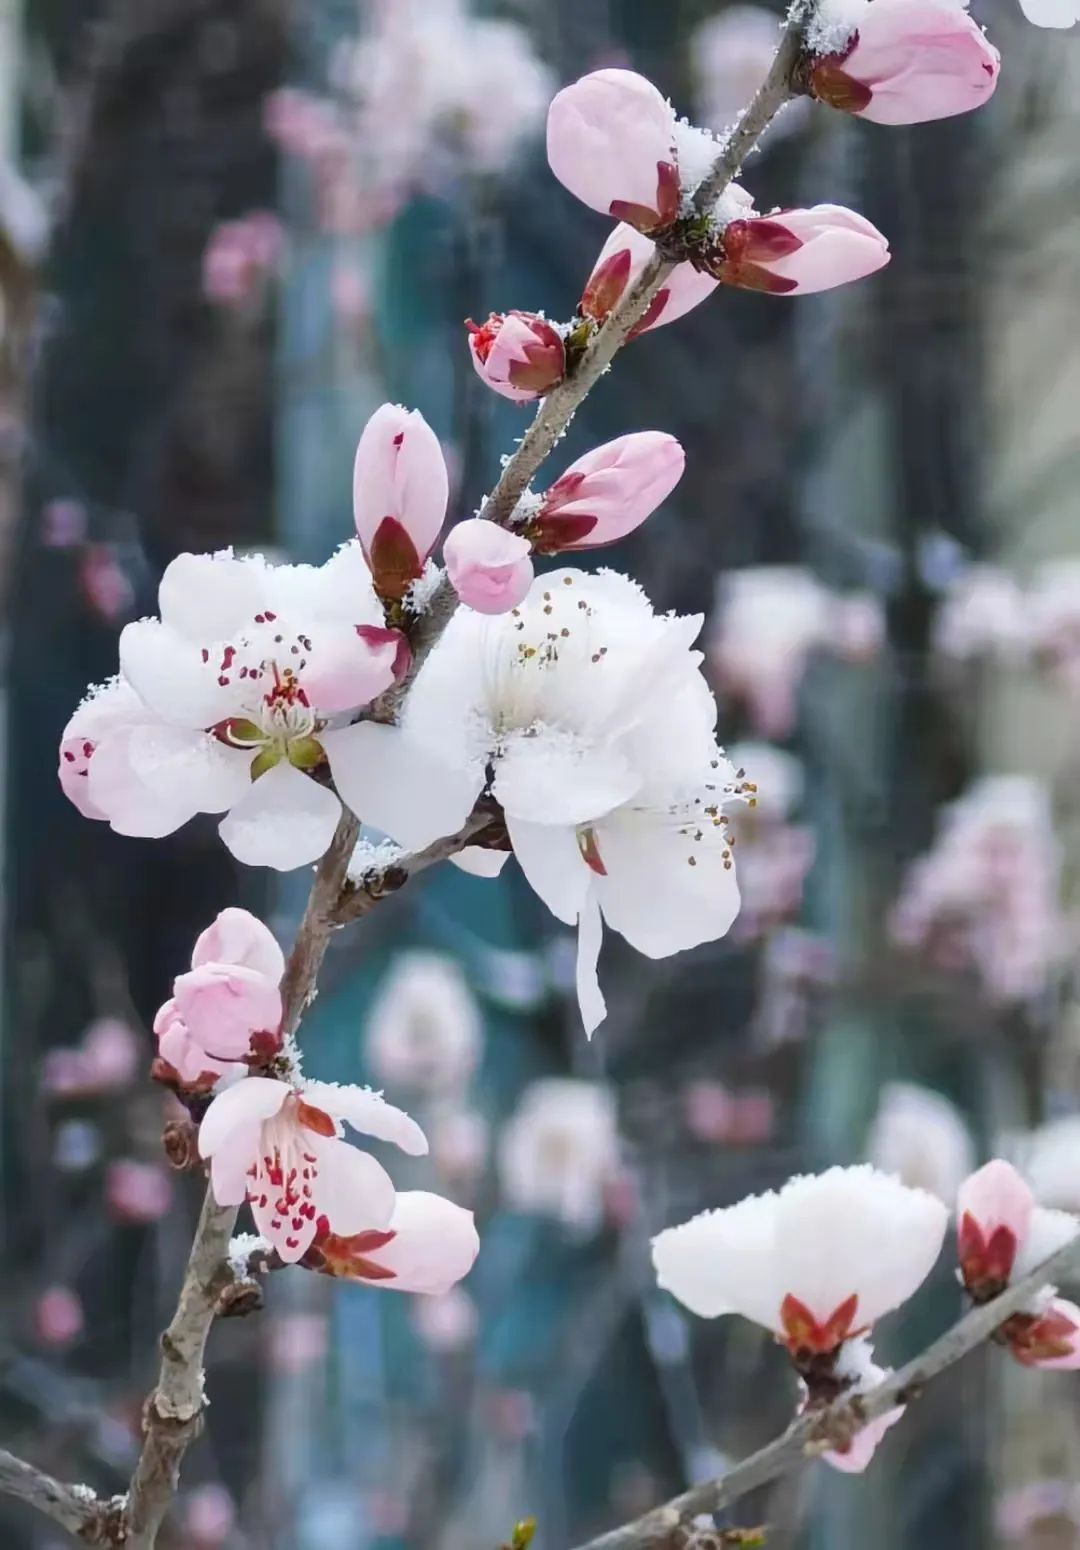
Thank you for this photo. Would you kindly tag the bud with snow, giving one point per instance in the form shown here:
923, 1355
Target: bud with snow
618, 266
901, 61
611, 140
794, 251
519, 354
400, 492
607, 493
489, 568
1002, 1236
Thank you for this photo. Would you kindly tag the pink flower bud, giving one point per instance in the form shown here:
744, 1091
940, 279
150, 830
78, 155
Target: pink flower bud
799, 250
620, 262
608, 492
238, 937
909, 61
519, 354
489, 568
225, 1006
1050, 1339
993, 1213
611, 141
400, 492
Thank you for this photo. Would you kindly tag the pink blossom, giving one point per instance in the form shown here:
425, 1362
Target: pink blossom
137, 1192
104, 583
519, 354
611, 141
105, 1060
618, 265
993, 1211
227, 1010
908, 61
238, 257
459, 1145
490, 569
280, 1148
298, 1341
983, 612
209, 1516
855, 1456
986, 896
798, 250
58, 1316
1049, 1339
427, 1246
400, 493
607, 493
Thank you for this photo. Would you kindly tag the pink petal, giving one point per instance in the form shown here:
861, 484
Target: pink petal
400, 472
351, 1189
435, 1244
490, 569
237, 936
232, 1115
224, 1004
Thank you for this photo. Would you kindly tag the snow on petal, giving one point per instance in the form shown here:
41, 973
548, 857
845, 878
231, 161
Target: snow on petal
368, 1112
208, 597
284, 821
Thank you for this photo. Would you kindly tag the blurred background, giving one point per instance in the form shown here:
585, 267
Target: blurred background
229, 229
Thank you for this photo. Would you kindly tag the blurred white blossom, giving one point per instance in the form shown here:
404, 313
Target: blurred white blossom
559, 1151
921, 1137
424, 1029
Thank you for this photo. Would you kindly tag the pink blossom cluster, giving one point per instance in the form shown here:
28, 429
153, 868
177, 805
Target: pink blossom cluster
818, 1263
769, 620
988, 613
985, 899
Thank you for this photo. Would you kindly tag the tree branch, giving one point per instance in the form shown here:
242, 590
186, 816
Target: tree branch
173, 1413
76, 1508
358, 898
846, 1416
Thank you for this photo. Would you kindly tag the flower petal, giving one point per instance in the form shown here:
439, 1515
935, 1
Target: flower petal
392, 783
229, 1166
723, 1262
344, 670
350, 1188
284, 821
557, 778
239, 937
208, 597
590, 997
435, 1244
549, 856
238, 1110
368, 1112
115, 789
481, 862
168, 673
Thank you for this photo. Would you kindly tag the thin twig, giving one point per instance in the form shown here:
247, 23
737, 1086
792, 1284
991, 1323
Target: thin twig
358, 898
844, 1417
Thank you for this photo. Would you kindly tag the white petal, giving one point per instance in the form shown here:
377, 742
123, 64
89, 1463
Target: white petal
340, 589
132, 807
109, 707
208, 597
854, 1230
1051, 13
558, 778
230, 1164
434, 1245
351, 1189
724, 1262
665, 890
480, 862
551, 860
285, 820
590, 997
394, 784
238, 1109
368, 1112
188, 768
169, 675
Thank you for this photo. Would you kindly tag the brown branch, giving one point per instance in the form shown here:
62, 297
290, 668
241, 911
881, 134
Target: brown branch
811, 1434
358, 898
75, 1507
